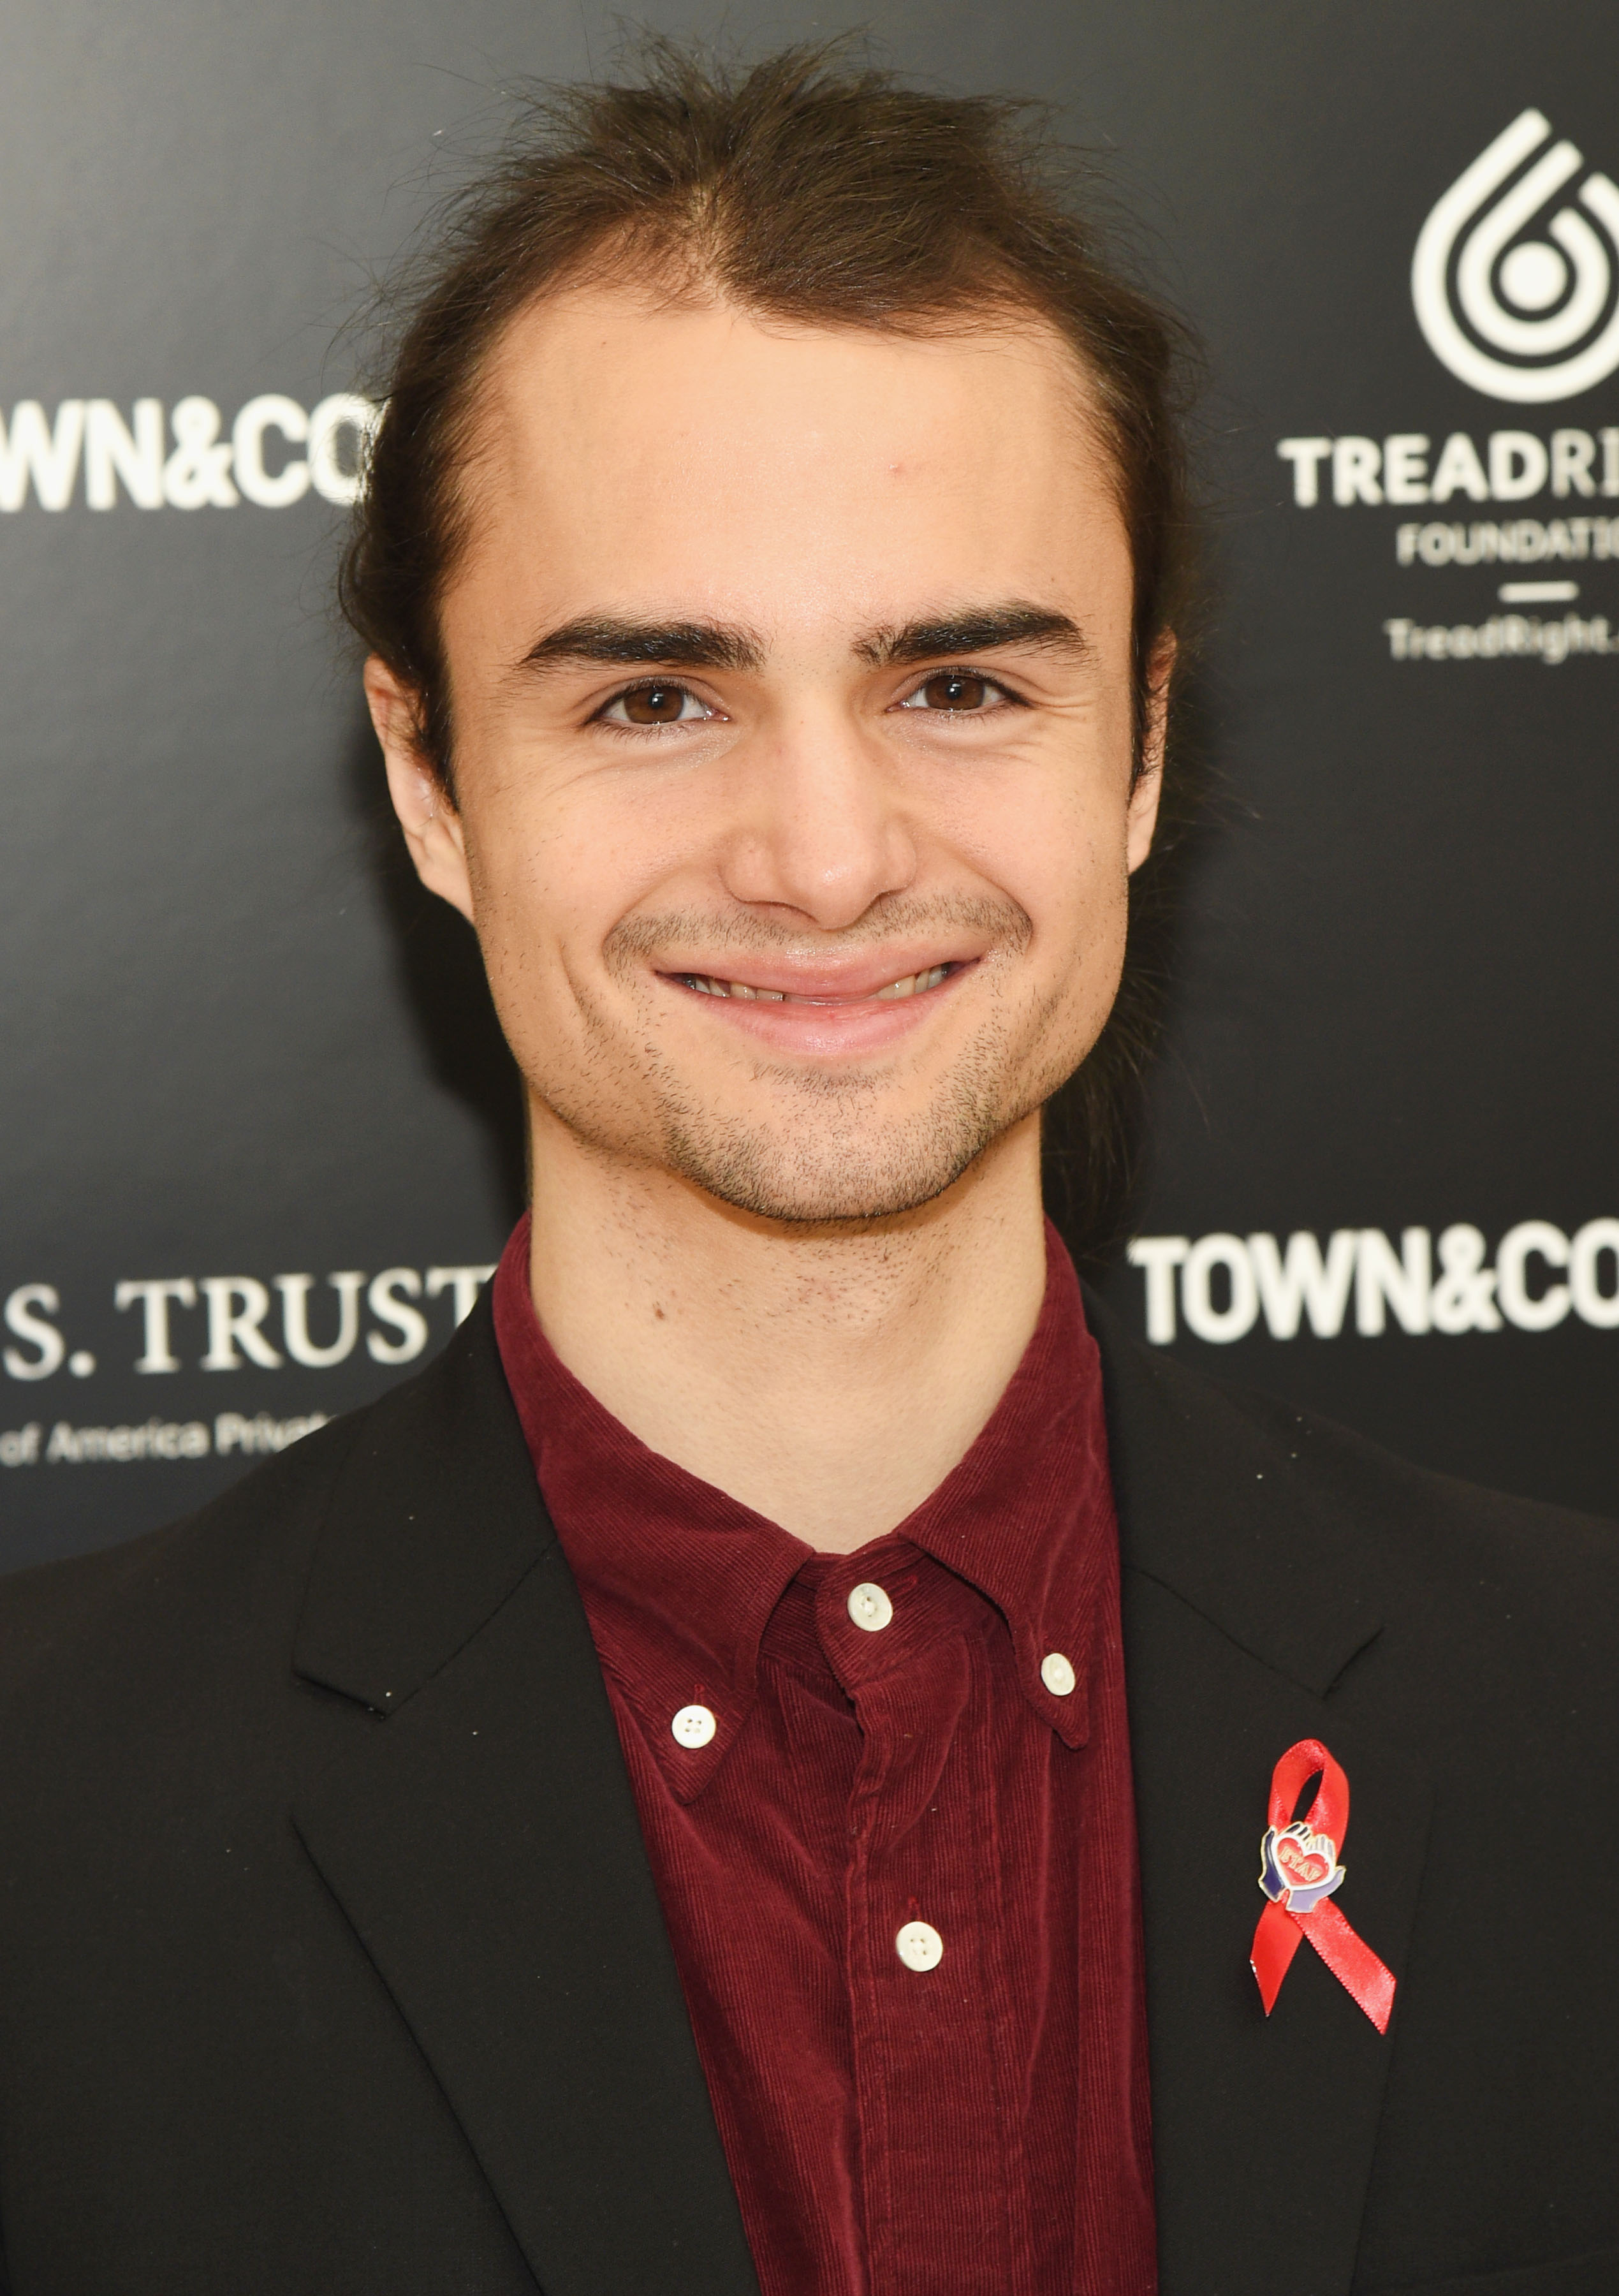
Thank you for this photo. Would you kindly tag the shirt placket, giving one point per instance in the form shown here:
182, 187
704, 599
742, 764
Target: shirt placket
923, 1936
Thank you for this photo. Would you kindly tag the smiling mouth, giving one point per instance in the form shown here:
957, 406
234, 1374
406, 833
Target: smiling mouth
912, 984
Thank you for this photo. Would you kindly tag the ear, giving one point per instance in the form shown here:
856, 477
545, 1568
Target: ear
1143, 818
431, 825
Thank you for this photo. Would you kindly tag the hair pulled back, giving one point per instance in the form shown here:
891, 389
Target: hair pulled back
810, 189
802, 189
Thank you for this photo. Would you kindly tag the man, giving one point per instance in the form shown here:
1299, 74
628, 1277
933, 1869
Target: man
749, 1773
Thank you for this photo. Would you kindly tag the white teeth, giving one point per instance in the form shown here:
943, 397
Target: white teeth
707, 984
912, 981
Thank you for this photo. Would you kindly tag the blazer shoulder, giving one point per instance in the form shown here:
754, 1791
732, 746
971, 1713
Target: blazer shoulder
231, 1582
1398, 1525
1396, 1500
225, 1555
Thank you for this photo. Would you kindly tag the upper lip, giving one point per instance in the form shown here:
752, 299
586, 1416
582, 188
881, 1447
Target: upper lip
829, 980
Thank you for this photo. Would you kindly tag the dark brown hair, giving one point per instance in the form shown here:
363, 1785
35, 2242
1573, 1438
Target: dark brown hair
812, 189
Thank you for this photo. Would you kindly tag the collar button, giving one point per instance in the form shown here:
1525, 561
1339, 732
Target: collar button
869, 1607
693, 1726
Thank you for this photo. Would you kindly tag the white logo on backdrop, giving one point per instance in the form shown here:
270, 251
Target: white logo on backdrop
1529, 319
1540, 1276
184, 457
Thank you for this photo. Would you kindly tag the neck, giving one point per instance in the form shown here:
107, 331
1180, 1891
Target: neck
829, 1380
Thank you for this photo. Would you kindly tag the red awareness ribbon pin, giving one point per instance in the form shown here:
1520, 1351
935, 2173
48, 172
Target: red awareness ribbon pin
1298, 1872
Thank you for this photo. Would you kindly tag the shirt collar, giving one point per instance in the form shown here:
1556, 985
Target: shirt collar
680, 1580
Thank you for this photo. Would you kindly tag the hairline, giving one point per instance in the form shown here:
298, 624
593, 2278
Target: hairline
626, 270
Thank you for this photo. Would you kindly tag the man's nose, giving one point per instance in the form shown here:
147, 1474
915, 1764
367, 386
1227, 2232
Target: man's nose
822, 825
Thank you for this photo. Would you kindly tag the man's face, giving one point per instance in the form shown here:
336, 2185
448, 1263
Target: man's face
791, 690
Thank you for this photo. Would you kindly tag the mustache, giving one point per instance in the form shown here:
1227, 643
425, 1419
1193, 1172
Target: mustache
722, 932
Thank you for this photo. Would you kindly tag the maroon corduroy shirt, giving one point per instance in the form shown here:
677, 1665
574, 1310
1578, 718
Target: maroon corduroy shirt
844, 1764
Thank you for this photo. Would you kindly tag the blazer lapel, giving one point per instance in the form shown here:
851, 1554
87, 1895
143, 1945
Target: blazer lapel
485, 1846
1247, 1626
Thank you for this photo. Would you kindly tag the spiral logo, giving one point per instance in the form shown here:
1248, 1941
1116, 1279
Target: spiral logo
1518, 293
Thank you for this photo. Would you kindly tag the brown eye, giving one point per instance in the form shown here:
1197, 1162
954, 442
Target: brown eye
654, 705
954, 689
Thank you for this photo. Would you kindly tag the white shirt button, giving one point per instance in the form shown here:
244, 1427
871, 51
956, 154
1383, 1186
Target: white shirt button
693, 1725
919, 1946
869, 1607
1057, 1674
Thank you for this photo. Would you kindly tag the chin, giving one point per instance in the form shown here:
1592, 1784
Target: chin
844, 1177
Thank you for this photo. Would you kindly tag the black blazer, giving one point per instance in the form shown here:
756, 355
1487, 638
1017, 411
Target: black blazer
330, 1960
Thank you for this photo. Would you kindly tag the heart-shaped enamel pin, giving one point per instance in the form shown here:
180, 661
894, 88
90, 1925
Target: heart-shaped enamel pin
1297, 1868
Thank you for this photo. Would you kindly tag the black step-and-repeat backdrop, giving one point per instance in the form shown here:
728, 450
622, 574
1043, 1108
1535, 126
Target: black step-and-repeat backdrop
258, 1146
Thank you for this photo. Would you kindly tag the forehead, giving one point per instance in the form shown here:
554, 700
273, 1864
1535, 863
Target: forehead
697, 454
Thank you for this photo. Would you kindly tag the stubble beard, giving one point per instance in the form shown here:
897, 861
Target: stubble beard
832, 1157
822, 1152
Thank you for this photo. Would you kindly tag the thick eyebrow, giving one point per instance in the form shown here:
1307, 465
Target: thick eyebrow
975, 630
638, 645
647, 645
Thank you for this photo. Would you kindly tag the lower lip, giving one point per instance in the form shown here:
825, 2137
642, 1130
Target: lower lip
868, 1024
